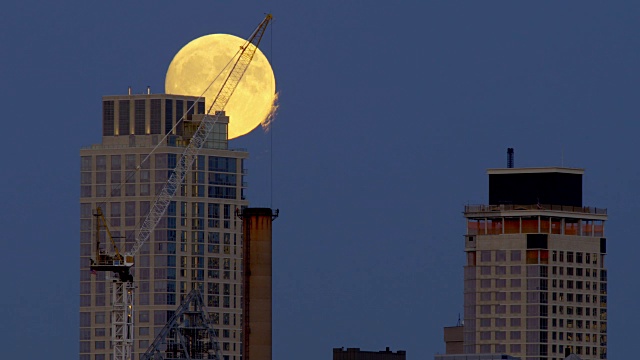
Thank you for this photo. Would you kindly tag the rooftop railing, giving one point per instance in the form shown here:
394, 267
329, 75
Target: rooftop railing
535, 207
125, 146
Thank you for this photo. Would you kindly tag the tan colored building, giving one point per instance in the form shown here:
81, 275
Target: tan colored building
454, 339
198, 243
535, 282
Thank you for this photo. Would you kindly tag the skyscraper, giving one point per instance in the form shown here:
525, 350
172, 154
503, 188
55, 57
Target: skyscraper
198, 242
535, 281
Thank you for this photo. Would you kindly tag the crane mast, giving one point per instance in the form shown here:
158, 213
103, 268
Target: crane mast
122, 313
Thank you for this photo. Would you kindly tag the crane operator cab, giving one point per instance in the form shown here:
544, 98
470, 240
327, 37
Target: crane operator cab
104, 261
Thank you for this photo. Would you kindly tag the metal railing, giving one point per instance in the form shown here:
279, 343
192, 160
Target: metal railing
535, 207
125, 146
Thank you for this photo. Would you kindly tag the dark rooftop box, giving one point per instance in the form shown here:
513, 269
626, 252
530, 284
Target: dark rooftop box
527, 186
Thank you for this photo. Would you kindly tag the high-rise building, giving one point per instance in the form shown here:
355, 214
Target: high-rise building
198, 242
535, 281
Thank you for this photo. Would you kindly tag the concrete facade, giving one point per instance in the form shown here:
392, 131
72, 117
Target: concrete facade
197, 244
535, 281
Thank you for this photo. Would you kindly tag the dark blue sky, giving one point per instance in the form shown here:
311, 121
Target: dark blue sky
390, 114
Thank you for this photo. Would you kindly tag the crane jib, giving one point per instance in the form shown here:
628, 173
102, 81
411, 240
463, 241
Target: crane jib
122, 313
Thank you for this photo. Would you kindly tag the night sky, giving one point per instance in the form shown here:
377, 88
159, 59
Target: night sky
390, 113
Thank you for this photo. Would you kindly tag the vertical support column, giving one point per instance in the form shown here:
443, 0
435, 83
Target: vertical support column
117, 320
256, 283
129, 318
122, 320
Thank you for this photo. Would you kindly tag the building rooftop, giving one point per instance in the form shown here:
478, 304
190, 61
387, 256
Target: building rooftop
536, 170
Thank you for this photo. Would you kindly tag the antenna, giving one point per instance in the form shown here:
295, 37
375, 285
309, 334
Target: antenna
510, 158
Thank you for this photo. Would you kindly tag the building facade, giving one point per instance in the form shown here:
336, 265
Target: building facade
357, 354
535, 281
198, 242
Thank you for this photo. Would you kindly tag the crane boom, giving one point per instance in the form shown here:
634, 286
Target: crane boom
122, 311
185, 162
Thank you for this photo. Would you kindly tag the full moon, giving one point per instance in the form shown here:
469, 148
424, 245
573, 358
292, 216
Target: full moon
200, 61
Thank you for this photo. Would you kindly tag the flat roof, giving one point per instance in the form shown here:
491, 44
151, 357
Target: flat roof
536, 170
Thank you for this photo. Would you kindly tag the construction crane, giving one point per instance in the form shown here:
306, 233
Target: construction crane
122, 311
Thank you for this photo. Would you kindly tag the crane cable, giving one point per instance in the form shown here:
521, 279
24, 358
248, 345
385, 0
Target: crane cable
271, 131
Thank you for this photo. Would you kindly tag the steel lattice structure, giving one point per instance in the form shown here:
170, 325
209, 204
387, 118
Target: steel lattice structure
189, 334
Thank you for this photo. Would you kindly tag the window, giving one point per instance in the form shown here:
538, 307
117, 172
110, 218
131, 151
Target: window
85, 319
485, 256
516, 255
85, 163
100, 316
143, 316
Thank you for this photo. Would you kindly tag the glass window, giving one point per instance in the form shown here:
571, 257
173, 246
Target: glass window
100, 317
485, 256
155, 118
168, 116
123, 117
108, 118
101, 163
85, 163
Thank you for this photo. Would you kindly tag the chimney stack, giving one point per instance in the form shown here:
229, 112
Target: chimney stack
510, 158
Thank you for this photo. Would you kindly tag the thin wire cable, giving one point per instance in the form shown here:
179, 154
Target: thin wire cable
271, 132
